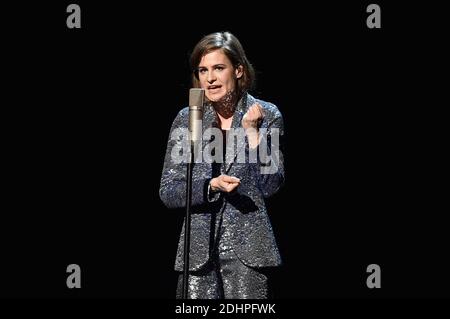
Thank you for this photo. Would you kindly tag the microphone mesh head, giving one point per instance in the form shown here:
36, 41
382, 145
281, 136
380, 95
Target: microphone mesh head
196, 97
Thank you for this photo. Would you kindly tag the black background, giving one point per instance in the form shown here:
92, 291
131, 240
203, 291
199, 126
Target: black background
86, 119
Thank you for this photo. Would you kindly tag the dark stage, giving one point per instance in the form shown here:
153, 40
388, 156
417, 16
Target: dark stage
87, 117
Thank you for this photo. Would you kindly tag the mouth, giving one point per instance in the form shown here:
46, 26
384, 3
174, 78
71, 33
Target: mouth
214, 87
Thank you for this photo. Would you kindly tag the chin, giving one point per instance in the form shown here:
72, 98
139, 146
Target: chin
215, 97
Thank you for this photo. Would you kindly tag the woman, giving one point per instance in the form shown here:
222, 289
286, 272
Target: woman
232, 242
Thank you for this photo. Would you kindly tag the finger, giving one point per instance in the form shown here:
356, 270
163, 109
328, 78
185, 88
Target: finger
223, 186
230, 179
260, 111
235, 179
253, 113
231, 187
257, 112
252, 108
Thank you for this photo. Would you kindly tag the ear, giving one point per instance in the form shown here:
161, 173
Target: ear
239, 71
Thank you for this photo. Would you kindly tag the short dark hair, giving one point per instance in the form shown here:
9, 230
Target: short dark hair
233, 49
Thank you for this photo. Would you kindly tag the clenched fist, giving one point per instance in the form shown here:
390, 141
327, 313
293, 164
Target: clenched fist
253, 117
250, 122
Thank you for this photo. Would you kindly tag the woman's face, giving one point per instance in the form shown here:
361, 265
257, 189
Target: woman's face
217, 75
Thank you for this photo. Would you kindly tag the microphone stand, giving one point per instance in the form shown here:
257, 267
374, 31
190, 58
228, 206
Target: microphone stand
196, 97
187, 225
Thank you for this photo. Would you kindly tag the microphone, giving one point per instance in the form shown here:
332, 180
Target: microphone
196, 98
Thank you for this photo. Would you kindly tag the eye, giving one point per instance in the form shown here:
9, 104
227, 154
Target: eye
219, 68
201, 70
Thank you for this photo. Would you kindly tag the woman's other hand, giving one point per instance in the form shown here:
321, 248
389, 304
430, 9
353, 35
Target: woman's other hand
224, 183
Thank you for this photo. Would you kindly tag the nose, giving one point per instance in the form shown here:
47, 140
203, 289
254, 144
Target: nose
211, 78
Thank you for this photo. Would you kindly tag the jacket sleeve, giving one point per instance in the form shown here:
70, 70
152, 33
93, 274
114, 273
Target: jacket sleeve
172, 189
270, 164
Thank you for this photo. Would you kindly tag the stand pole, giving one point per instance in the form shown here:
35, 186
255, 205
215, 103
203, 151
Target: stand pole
187, 224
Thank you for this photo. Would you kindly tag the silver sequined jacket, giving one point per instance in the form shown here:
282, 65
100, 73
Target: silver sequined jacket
252, 237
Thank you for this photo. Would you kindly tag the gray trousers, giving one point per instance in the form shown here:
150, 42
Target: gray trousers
225, 277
